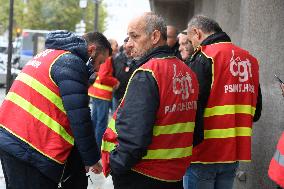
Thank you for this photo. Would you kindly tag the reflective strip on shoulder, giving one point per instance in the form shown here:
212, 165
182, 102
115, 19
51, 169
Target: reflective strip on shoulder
174, 128
229, 109
103, 87
41, 116
279, 157
169, 153
107, 146
227, 133
43, 90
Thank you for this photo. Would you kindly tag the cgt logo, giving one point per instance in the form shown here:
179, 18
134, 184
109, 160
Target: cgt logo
241, 68
182, 84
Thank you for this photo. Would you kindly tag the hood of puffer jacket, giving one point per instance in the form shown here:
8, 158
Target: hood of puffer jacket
65, 40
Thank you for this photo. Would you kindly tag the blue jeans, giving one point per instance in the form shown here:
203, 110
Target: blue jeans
115, 104
100, 111
210, 176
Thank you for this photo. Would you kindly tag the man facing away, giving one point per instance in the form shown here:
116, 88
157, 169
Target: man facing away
149, 140
229, 101
46, 134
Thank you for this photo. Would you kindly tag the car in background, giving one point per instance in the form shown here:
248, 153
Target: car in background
31, 43
3, 73
4, 54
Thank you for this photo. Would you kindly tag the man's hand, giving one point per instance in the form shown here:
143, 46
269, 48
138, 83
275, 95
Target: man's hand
96, 168
117, 85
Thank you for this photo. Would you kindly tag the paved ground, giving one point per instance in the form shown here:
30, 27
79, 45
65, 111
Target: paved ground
99, 181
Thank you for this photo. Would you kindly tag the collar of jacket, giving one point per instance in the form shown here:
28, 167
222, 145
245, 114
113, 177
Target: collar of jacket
158, 52
211, 39
216, 38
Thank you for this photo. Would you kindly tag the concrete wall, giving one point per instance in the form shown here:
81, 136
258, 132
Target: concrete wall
176, 12
257, 26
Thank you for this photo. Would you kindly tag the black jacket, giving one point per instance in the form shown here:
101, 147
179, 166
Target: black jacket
136, 118
202, 66
175, 51
123, 68
71, 75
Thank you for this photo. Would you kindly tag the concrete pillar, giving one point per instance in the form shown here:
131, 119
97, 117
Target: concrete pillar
262, 26
175, 12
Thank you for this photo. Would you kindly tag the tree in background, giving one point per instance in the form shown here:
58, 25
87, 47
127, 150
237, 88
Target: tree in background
50, 15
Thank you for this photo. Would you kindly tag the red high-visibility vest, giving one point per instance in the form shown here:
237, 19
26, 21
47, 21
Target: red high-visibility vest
33, 110
169, 154
102, 88
228, 116
276, 167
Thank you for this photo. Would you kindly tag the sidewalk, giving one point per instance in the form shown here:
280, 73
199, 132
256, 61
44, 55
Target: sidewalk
2, 179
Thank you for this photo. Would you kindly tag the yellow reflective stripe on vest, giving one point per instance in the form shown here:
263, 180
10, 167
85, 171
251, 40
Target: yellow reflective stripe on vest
103, 87
229, 109
227, 133
41, 116
169, 153
43, 90
111, 125
107, 146
174, 128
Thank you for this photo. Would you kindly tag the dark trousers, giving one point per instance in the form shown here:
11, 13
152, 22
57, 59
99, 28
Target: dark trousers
20, 175
133, 180
74, 174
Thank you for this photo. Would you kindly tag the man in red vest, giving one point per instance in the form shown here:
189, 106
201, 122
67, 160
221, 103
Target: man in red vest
276, 167
149, 140
46, 137
229, 101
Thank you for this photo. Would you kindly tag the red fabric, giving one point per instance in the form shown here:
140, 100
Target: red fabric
178, 88
235, 82
105, 77
276, 171
49, 143
105, 73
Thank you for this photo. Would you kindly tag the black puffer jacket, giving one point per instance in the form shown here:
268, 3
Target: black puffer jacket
71, 75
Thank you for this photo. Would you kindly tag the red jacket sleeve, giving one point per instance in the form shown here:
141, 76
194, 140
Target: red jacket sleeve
105, 73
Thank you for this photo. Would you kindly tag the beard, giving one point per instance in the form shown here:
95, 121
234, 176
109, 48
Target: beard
142, 54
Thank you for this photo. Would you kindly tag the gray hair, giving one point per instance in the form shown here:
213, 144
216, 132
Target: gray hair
207, 25
155, 22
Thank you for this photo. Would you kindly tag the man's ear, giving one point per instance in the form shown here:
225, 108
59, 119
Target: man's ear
199, 34
156, 36
92, 48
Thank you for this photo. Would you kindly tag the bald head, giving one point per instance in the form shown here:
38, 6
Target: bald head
171, 35
146, 32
